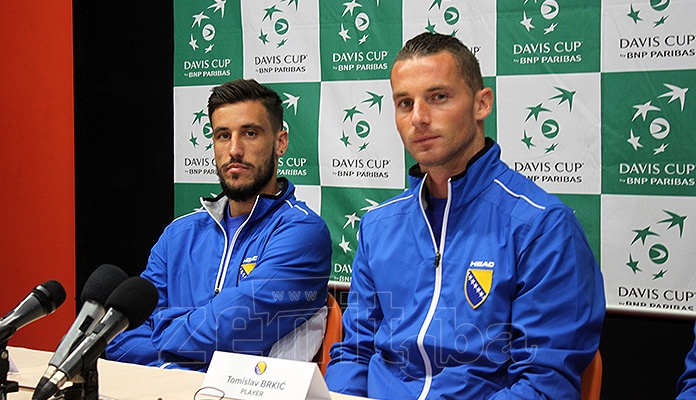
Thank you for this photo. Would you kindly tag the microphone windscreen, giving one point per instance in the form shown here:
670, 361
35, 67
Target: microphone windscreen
136, 298
103, 281
51, 295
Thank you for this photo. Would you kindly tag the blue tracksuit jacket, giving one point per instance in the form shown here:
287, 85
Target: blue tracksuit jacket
509, 305
686, 385
207, 302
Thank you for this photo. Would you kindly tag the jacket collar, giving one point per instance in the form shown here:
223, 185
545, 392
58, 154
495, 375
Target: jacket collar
483, 167
217, 206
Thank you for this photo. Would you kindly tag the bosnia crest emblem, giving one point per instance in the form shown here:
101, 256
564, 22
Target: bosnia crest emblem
477, 285
245, 270
260, 367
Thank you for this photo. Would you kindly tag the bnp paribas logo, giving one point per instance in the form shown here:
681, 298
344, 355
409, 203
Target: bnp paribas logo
542, 130
654, 12
276, 23
355, 128
443, 19
204, 27
650, 127
201, 130
649, 250
355, 22
540, 18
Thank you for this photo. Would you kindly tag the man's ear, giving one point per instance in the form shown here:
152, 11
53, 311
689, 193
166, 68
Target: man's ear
483, 103
282, 142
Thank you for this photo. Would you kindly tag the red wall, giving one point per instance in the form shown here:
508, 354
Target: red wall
37, 185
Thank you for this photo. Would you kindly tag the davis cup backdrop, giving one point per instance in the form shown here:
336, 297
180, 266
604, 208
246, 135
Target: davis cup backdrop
592, 102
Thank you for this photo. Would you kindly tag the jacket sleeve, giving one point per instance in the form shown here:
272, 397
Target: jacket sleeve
686, 385
558, 311
287, 286
134, 346
347, 371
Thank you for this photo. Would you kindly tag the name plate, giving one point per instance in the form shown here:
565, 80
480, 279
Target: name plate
246, 377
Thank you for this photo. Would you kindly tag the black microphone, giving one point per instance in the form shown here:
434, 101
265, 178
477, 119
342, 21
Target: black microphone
43, 300
98, 287
129, 306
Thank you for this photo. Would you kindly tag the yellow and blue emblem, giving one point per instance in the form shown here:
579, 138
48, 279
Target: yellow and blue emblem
245, 270
260, 368
477, 285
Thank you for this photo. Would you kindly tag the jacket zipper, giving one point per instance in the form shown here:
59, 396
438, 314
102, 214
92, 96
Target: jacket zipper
227, 254
436, 290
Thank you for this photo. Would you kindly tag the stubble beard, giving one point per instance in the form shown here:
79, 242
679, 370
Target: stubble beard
241, 193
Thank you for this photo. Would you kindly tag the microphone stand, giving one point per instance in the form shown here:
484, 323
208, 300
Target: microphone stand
5, 385
85, 385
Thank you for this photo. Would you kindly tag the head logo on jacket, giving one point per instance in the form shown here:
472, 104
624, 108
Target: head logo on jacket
479, 278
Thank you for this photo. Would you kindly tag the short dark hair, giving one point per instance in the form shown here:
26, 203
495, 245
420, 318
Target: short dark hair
427, 43
248, 89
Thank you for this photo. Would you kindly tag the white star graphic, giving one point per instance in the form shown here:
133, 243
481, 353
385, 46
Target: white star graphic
633, 140
291, 101
209, 48
550, 29
644, 109
344, 245
676, 93
198, 18
660, 149
193, 43
372, 205
350, 7
344, 33
219, 5
352, 219
526, 22
363, 39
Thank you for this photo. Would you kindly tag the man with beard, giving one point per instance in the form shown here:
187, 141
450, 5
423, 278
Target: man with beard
226, 273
